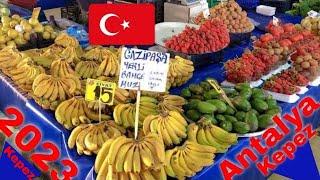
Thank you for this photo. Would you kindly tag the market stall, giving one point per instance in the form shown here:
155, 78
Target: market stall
53, 67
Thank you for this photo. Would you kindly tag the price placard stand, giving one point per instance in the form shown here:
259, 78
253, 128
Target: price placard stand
136, 119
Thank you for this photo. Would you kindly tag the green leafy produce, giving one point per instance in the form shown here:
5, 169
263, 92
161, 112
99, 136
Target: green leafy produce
304, 6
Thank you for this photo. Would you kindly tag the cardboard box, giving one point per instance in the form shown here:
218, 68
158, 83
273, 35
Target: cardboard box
181, 13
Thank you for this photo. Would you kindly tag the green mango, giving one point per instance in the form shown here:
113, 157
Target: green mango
211, 94
206, 108
252, 120
240, 86
194, 115
255, 112
259, 105
205, 85
272, 103
246, 93
220, 117
196, 97
240, 115
193, 103
258, 93
241, 127
230, 92
220, 105
241, 104
265, 120
226, 125
230, 118
273, 112
196, 89
186, 93
210, 118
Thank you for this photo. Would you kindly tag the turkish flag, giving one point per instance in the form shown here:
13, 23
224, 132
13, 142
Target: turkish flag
121, 24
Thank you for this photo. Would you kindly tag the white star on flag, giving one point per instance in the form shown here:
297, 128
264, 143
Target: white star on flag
125, 24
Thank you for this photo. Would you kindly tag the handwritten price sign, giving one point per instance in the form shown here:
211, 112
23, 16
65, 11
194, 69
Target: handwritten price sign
100, 90
143, 70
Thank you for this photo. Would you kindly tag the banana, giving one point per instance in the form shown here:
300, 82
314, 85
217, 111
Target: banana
74, 134
118, 142
201, 137
55, 92
192, 165
175, 139
180, 130
192, 132
222, 135
202, 148
146, 156
128, 162
212, 142
90, 141
101, 156
178, 170
136, 160
80, 140
176, 115
120, 159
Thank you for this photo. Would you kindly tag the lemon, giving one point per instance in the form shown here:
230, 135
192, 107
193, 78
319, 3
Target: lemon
13, 33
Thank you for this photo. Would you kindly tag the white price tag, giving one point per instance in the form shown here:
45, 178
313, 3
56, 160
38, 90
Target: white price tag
205, 8
143, 70
313, 14
275, 21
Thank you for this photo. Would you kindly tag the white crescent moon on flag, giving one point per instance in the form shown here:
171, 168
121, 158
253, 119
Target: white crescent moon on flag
103, 24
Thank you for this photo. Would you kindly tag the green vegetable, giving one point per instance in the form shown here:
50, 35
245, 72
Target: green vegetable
230, 92
258, 94
186, 93
259, 105
252, 120
240, 115
194, 115
265, 121
273, 111
246, 93
210, 118
196, 89
241, 127
220, 118
196, 97
211, 94
220, 105
230, 118
206, 108
272, 104
240, 86
193, 104
241, 104
255, 112
226, 125
205, 85
229, 111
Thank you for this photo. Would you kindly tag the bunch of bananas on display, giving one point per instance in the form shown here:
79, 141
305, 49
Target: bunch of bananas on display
25, 73
86, 69
127, 155
89, 138
61, 68
180, 71
75, 111
124, 114
71, 54
171, 103
9, 58
65, 40
96, 53
49, 90
188, 159
206, 133
171, 126
110, 66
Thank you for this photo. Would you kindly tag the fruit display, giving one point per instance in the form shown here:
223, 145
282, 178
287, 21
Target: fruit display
61, 68
307, 65
303, 7
170, 126
130, 156
87, 69
253, 109
75, 111
48, 90
311, 23
89, 138
188, 159
16, 31
171, 103
231, 14
180, 71
212, 36
110, 66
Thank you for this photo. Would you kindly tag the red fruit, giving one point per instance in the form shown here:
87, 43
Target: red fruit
289, 27
296, 37
266, 37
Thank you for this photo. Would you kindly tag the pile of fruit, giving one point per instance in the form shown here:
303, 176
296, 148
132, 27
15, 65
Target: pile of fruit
307, 64
287, 82
303, 7
212, 36
16, 31
311, 23
253, 110
232, 15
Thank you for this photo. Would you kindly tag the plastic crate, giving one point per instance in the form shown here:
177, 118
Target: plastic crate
281, 5
248, 4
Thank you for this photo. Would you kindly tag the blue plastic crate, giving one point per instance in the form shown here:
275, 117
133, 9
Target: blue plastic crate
248, 4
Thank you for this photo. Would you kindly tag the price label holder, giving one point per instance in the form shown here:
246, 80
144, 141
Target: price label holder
143, 70
101, 91
275, 21
216, 86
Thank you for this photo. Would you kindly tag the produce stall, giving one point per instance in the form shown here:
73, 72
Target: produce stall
47, 83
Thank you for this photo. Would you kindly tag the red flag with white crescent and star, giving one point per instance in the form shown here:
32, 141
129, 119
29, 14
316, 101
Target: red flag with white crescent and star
121, 24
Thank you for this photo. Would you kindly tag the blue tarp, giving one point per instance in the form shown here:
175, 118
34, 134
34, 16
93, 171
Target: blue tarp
55, 132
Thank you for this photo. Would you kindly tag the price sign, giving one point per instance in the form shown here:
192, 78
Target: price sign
275, 21
36, 12
100, 90
143, 70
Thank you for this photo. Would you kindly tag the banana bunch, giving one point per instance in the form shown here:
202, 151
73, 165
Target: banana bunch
110, 66
124, 114
94, 106
75, 111
180, 71
206, 133
65, 40
40, 57
143, 175
47, 88
86, 69
171, 126
61, 68
96, 53
188, 159
25, 73
9, 59
171, 103
71, 54
89, 138
127, 155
